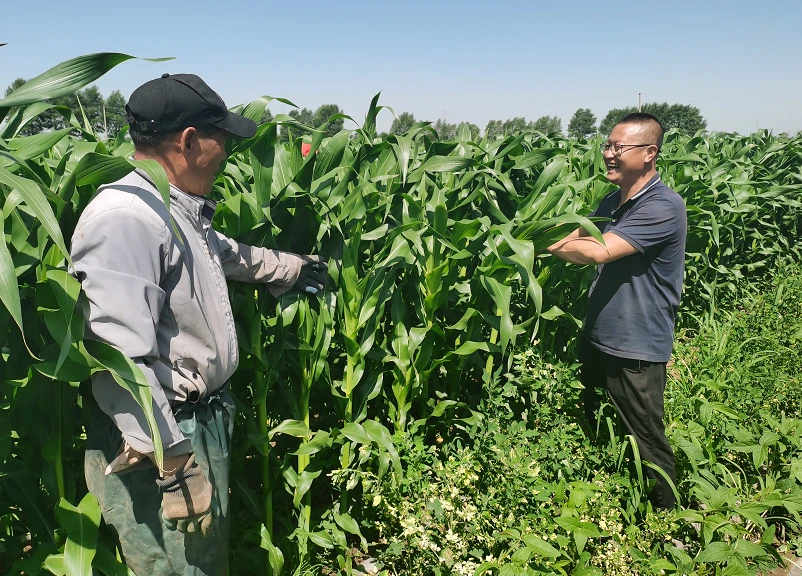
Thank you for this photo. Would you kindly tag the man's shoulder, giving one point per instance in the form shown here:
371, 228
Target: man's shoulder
663, 197
131, 197
608, 204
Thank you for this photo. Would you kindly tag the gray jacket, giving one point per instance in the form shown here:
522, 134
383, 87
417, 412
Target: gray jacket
163, 301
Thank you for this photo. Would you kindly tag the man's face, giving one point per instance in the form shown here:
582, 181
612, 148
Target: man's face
628, 165
205, 162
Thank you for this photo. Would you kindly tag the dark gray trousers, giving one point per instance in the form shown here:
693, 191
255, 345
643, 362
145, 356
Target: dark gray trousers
131, 503
636, 389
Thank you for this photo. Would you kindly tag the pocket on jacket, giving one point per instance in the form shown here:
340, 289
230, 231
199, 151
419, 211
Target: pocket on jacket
194, 386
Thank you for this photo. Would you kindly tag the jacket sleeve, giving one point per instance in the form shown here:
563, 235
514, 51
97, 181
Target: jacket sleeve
120, 256
279, 270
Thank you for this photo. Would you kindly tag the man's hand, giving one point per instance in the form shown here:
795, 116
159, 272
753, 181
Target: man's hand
313, 274
186, 497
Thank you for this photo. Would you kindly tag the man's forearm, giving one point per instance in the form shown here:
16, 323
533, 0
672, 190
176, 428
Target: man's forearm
585, 250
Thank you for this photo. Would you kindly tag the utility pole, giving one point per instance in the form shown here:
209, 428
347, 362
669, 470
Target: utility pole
639, 106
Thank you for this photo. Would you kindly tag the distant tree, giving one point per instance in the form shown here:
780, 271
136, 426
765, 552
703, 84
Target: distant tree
115, 113
305, 116
445, 130
513, 125
30, 129
14, 85
613, 117
92, 102
323, 113
582, 124
687, 119
267, 116
548, 124
494, 129
402, 123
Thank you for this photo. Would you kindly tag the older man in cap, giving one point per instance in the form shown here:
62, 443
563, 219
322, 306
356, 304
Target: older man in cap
155, 288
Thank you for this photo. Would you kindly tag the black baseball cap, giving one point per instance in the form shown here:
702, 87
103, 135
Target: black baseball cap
177, 101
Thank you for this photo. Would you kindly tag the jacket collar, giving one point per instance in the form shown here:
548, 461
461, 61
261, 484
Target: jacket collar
199, 207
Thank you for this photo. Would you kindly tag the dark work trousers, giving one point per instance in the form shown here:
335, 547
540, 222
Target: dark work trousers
636, 389
131, 503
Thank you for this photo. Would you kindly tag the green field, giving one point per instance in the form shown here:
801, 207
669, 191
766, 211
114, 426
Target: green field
420, 416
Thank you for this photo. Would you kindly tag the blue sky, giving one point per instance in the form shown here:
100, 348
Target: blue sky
739, 62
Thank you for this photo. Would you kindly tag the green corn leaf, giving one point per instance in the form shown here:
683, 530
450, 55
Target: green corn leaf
256, 108
21, 117
291, 428
348, 524
447, 164
9, 293
356, 433
381, 435
67, 77
33, 146
66, 289
501, 296
36, 201
81, 523
303, 485
321, 538
128, 375
107, 563
95, 169
55, 564
24, 490
275, 556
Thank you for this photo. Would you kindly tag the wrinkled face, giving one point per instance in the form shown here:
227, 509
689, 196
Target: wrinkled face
631, 162
205, 156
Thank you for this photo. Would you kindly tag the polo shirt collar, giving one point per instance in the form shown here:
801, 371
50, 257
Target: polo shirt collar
652, 184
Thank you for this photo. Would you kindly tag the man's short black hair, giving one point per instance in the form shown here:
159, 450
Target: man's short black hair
155, 142
148, 140
645, 120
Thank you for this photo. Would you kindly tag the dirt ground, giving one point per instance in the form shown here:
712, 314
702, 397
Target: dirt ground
793, 567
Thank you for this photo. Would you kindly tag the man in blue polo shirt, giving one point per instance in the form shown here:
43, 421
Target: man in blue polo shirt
629, 329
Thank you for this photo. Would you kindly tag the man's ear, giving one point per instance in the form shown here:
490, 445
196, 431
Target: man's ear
189, 136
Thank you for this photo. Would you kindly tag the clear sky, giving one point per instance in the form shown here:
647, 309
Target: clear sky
739, 62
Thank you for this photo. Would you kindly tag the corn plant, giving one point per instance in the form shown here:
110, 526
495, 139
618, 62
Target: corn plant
437, 274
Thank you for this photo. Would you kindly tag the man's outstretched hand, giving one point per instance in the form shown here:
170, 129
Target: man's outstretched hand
313, 274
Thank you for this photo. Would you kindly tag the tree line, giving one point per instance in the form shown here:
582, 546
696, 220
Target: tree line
583, 124
107, 116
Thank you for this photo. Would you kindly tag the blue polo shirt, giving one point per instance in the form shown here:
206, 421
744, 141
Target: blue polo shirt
633, 301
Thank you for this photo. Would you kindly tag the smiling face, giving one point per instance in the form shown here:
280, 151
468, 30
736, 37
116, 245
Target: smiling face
632, 163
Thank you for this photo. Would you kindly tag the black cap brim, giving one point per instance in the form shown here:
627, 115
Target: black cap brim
237, 125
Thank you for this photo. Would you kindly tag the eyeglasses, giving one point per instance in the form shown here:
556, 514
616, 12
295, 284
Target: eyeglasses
618, 149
